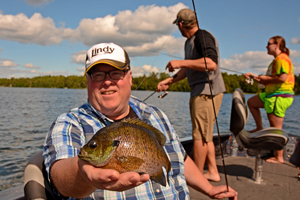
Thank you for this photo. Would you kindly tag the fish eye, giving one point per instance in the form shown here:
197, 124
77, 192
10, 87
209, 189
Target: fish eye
92, 144
116, 143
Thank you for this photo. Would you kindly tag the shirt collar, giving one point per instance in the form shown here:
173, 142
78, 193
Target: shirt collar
140, 108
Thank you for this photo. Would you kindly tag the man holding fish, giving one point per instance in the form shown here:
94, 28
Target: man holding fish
111, 146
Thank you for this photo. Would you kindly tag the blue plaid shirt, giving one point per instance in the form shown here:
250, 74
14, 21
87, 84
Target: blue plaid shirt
72, 130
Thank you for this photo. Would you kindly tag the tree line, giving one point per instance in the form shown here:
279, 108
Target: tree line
232, 81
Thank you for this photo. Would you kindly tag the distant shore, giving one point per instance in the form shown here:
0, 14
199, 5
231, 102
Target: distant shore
144, 83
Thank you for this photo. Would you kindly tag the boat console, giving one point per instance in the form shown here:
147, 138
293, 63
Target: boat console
266, 139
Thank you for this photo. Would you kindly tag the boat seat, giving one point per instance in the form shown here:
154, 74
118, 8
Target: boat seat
267, 139
36, 184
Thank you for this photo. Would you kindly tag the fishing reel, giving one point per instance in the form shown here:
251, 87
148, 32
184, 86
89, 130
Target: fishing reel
250, 81
160, 96
163, 95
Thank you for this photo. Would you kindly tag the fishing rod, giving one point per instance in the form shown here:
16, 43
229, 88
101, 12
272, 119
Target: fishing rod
210, 87
160, 96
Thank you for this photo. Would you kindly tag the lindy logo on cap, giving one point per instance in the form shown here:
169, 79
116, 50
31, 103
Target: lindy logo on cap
107, 49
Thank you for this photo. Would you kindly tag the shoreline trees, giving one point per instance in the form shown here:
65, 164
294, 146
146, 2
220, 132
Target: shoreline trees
232, 81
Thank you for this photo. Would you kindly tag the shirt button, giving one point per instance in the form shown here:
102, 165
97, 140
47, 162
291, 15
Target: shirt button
157, 190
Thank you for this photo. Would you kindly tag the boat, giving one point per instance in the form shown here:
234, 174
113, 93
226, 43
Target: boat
246, 171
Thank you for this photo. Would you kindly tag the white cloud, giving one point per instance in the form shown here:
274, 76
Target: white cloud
295, 57
294, 54
144, 70
295, 40
9, 68
166, 43
254, 61
146, 30
81, 69
251, 61
79, 57
37, 2
34, 30
15, 72
31, 66
5, 63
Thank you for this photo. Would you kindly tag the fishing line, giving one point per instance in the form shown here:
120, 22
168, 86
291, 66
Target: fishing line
223, 68
155, 59
210, 87
157, 56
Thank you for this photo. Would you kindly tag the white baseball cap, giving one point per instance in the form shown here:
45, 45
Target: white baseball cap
107, 53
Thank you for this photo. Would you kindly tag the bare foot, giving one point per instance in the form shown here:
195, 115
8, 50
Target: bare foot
254, 130
274, 160
210, 177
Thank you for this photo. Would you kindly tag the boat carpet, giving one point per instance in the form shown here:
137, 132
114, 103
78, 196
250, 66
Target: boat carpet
280, 181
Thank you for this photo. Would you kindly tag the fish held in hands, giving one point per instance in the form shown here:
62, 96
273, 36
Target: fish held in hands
130, 145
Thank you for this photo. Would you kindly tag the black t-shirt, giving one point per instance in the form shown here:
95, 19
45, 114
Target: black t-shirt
131, 114
210, 45
195, 49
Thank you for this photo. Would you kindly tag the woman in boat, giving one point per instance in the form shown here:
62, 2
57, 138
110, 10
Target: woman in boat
279, 90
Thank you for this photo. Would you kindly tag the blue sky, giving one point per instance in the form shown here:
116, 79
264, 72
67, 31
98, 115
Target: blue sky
50, 37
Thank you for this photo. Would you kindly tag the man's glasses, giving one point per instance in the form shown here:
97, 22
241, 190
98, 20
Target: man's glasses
115, 75
270, 44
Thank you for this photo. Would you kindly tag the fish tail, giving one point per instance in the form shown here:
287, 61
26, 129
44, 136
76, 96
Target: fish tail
161, 177
168, 170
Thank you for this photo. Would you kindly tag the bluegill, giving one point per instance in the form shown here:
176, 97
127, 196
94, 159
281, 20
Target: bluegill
129, 145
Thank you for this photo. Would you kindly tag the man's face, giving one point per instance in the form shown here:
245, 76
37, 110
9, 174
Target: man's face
110, 97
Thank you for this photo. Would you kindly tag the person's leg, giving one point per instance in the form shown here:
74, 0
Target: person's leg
254, 104
276, 107
198, 110
199, 154
277, 123
212, 173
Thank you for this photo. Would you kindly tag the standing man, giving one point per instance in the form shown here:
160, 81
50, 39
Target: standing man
109, 81
201, 107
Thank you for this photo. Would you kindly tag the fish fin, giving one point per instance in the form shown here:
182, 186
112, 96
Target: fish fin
106, 161
160, 137
169, 167
161, 177
130, 163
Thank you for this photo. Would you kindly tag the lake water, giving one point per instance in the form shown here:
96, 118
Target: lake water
27, 113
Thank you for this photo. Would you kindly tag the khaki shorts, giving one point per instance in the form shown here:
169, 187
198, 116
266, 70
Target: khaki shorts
203, 117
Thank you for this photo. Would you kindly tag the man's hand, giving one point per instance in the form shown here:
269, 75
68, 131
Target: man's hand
164, 85
250, 75
108, 179
173, 64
